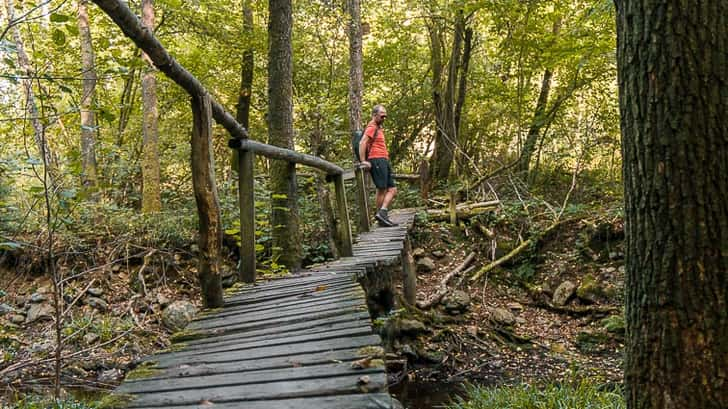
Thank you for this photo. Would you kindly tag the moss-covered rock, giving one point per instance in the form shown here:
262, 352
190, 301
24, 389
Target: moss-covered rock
115, 401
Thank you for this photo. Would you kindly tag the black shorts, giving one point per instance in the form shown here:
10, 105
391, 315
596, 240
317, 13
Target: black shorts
382, 174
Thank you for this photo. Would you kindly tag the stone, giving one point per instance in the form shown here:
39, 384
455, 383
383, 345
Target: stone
589, 290
163, 300
425, 264
178, 314
16, 318
502, 316
408, 351
110, 376
411, 327
90, 338
514, 306
563, 292
418, 252
39, 312
456, 301
20, 300
38, 298
616, 255
5, 309
95, 291
97, 303
438, 253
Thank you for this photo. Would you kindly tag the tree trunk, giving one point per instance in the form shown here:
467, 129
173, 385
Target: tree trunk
322, 191
151, 196
208, 205
38, 129
242, 112
284, 214
673, 82
126, 104
356, 71
88, 120
540, 116
437, 68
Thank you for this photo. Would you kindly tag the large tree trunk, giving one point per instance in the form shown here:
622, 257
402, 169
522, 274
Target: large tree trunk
284, 214
673, 82
88, 120
38, 129
151, 196
208, 205
242, 112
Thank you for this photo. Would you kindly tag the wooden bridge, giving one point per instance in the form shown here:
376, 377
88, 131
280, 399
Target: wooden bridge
301, 342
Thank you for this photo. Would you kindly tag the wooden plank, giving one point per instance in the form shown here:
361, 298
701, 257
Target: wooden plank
274, 390
292, 373
275, 320
265, 352
323, 326
250, 344
265, 296
314, 358
289, 281
358, 401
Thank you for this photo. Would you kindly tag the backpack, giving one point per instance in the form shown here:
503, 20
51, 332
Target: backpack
356, 140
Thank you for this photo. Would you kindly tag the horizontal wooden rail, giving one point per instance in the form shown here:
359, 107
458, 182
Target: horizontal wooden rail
349, 175
275, 152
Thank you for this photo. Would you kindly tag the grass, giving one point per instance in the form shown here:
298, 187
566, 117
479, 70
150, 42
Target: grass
584, 394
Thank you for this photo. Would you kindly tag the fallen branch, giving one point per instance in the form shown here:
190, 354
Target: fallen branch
518, 250
463, 213
443, 289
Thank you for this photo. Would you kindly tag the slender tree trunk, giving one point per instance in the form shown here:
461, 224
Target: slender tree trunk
356, 70
88, 120
151, 196
242, 113
462, 90
673, 82
322, 191
284, 197
126, 104
208, 205
39, 135
437, 68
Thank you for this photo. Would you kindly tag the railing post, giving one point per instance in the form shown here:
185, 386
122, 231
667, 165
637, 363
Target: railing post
246, 198
409, 274
344, 227
362, 199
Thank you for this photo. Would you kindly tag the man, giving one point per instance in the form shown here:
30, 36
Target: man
373, 148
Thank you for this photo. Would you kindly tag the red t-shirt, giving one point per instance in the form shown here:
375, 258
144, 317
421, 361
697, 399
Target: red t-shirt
377, 144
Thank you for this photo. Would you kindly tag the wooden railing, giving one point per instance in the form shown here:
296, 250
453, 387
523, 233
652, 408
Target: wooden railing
247, 149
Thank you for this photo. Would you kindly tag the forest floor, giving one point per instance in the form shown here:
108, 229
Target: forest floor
510, 331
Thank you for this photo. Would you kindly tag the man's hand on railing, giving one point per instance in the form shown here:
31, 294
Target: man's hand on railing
364, 165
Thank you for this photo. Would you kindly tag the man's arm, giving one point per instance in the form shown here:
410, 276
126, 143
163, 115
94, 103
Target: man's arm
363, 145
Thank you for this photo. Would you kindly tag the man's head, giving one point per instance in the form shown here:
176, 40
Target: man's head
379, 113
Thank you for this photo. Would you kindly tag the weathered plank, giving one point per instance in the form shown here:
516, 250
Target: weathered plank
360, 401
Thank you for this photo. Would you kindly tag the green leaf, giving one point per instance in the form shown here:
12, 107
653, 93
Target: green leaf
259, 247
59, 37
278, 196
232, 231
59, 18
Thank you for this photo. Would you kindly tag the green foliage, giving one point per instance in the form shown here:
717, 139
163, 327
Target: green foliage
44, 402
584, 394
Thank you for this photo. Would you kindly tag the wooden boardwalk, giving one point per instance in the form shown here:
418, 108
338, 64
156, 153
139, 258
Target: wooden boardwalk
286, 343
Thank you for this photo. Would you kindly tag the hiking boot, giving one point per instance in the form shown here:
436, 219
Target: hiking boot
383, 219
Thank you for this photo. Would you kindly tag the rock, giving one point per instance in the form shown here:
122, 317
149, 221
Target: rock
408, 351
434, 357
41, 347
589, 290
411, 327
95, 291
163, 300
502, 316
16, 318
616, 255
38, 298
418, 252
425, 264
110, 375
97, 303
20, 300
178, 314
438, 253
90, 338
456, 301
5, 309
563, 293
514, 306
39, 312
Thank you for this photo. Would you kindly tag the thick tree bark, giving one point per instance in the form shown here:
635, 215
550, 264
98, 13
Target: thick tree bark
88, 118
151, 195
38, 129
673, 82
208, 205
284, 197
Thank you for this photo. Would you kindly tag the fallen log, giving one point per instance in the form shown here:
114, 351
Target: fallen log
462, 214
443, 289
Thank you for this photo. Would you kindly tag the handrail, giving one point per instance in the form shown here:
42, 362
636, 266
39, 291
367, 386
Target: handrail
276, 152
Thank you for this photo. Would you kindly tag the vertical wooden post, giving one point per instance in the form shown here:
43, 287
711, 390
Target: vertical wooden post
208, 205
453, 209
344, 227
362, 200
246, 198
409, 274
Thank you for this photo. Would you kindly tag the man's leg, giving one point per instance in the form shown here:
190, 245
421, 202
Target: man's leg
381, 194
387, 197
